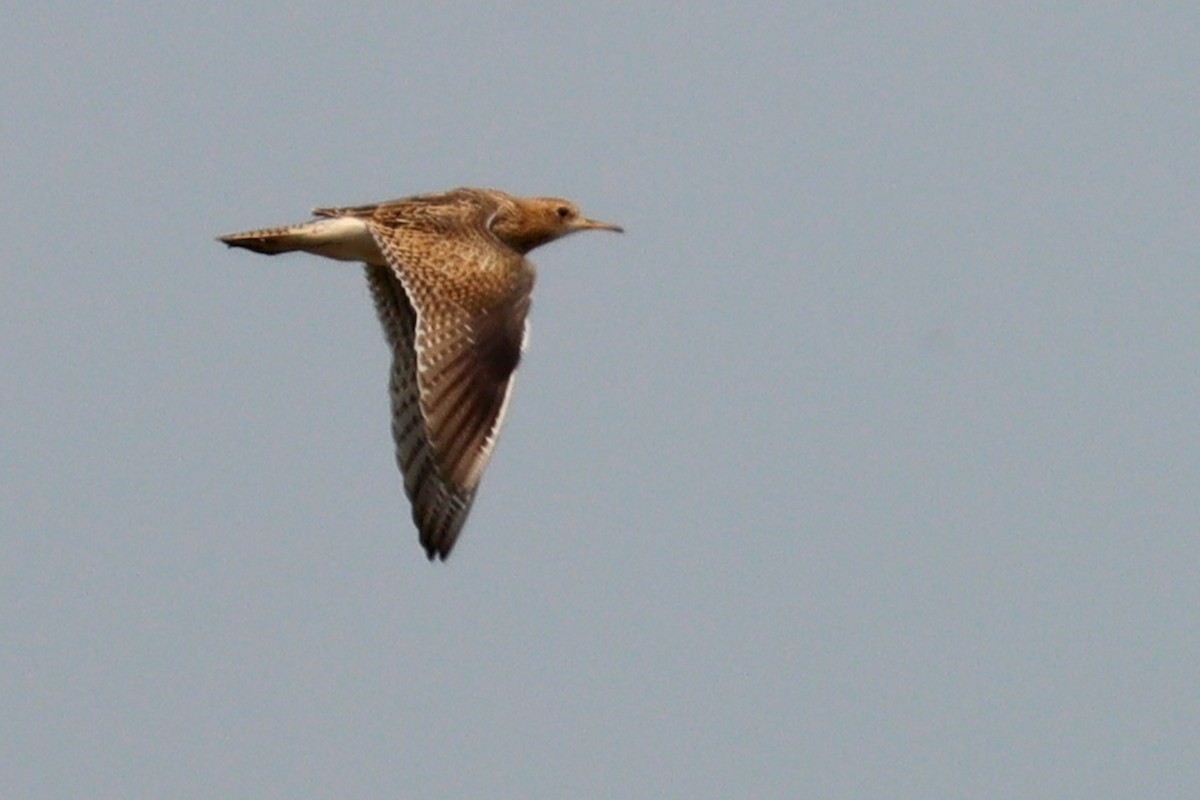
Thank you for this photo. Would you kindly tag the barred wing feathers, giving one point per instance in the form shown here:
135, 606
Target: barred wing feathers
454, 312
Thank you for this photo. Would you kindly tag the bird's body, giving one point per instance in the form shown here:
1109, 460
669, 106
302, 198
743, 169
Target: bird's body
452, 288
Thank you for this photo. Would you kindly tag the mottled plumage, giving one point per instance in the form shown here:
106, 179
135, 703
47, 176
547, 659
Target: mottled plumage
452, 288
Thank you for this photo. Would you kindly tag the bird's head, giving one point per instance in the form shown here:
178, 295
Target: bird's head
532, 222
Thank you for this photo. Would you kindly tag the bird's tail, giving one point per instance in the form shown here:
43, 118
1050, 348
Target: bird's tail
270, 241
341, 238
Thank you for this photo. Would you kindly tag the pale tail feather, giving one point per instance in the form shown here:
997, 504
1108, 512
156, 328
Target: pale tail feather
341, 238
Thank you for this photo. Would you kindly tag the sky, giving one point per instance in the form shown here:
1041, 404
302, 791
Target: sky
863, 465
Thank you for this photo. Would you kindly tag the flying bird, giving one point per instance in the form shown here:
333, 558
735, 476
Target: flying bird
452, 288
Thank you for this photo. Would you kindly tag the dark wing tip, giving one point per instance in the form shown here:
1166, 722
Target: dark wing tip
439, 517
437, 551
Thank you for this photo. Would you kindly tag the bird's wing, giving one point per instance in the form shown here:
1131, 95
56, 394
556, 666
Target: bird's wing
454, 313
458, 204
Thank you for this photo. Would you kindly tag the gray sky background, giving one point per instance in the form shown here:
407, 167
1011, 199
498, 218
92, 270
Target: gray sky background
864, 465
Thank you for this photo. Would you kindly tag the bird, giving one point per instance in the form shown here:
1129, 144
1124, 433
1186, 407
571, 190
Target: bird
452, 288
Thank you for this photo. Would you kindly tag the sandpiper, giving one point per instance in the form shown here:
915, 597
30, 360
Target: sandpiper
452, 288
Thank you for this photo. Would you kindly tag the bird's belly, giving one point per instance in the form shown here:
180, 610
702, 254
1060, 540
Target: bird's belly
342, 239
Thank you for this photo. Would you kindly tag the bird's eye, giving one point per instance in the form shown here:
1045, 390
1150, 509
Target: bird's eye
564, 212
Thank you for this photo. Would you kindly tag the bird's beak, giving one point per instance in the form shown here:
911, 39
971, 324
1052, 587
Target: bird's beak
584, 224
